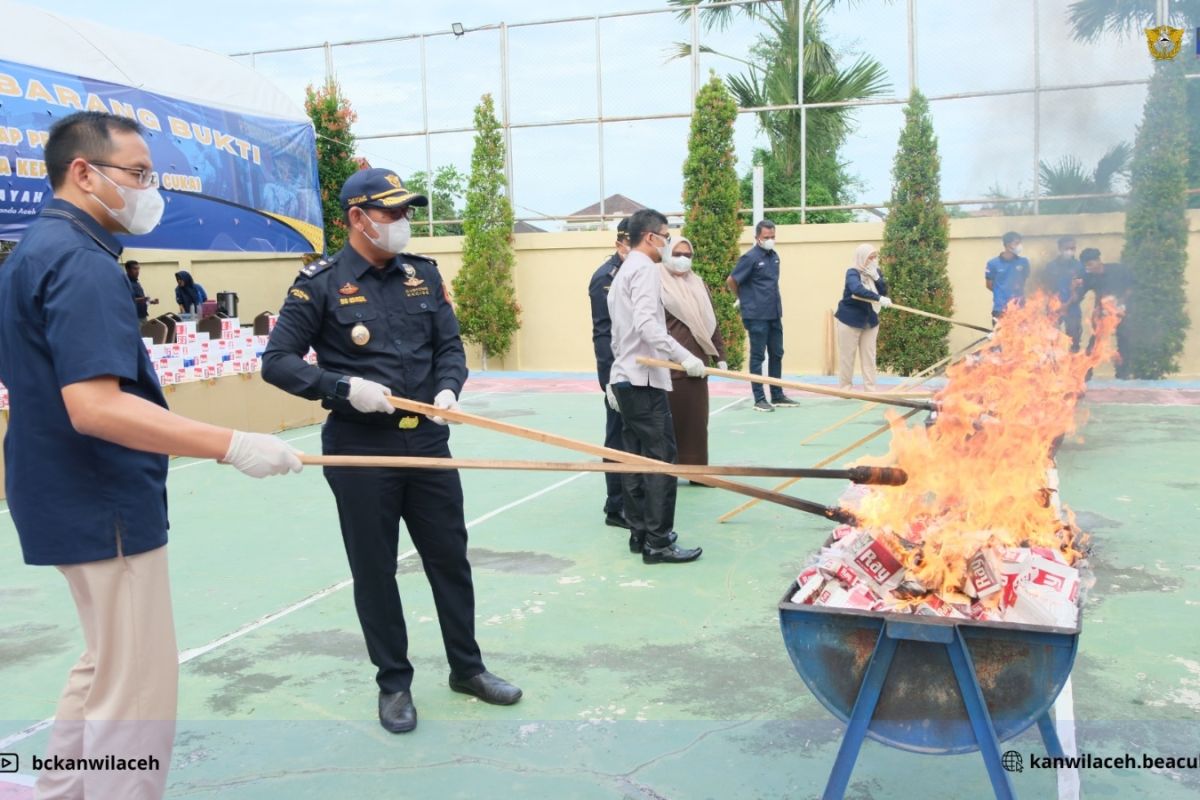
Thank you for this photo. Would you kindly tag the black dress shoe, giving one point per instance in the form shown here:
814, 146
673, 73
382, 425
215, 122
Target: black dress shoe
397, 712
488, 688
671, 554
637, 541
616, 519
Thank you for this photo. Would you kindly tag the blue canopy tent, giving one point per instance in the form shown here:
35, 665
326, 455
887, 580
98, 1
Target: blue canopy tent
236, 159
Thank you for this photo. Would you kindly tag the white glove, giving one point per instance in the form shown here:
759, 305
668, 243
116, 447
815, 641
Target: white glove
612, 398
444, 399
737, 303
693, 366
259, 455
722, 365
885, 302
369, 396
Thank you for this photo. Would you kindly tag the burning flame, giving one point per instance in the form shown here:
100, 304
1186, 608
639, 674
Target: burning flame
978, 476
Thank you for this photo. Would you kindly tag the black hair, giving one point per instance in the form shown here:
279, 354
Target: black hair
644, 221
84, 134
1010, 237
1090, 254
763, 225
1063, 241
131, 264
623, 230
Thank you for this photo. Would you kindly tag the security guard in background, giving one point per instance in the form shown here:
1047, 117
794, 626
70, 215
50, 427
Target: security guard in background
381, 321
598, 286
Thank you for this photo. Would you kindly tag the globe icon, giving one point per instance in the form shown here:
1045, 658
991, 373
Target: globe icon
1012, 761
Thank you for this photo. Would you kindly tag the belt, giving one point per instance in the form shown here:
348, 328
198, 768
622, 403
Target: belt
406, 422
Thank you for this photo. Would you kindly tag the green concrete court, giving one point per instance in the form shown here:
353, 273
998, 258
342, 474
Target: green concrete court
640, 681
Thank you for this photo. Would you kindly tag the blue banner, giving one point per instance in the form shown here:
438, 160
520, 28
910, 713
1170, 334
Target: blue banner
231, 181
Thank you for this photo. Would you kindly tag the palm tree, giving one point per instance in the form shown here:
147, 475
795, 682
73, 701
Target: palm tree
770, 79
1070, 176
1090, 19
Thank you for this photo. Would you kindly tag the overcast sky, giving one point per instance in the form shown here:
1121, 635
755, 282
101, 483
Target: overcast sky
963, 45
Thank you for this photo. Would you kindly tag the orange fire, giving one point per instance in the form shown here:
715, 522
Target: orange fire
978, 476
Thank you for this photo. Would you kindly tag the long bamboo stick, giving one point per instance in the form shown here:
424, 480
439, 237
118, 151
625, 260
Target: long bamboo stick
416, 407
921, 405
923, 376
866, 475
930, 314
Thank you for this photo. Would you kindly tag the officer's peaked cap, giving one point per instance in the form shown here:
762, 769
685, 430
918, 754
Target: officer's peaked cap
378, 188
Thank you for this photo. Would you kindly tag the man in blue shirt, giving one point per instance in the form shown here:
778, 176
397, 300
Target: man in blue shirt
1006, 274
88, 436
755, 281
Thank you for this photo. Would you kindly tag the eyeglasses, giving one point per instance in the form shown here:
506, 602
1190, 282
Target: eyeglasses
666, 237
145, 178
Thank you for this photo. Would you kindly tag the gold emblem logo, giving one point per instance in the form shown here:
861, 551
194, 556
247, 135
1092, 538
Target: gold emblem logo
1164, 41
408, 423
395, 181
299, 294
360, 335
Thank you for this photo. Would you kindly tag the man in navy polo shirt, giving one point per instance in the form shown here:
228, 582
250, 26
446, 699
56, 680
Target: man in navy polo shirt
755, 281
86, 449
1006, 274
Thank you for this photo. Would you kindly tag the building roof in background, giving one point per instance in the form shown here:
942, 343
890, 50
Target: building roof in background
614, 205
524, 227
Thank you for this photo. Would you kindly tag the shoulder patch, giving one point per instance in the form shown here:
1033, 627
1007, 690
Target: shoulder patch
299, 294
419, 257
318, 266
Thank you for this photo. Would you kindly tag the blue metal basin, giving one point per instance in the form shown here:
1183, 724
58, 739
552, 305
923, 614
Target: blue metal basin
1020, 670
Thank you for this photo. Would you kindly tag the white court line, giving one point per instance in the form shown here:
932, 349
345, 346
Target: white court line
196, 652
1064, 724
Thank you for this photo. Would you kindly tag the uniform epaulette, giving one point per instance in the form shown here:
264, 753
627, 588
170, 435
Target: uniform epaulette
318, 266
432, 261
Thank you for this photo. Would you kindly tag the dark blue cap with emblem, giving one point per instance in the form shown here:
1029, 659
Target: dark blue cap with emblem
378, 188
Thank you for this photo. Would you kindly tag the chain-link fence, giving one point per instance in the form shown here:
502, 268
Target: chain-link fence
596, 109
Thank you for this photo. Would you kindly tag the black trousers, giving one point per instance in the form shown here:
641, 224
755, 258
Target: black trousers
613, 502
648, 430
766, 341
371, 503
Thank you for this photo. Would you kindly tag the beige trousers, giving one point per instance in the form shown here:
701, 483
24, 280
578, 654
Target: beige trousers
120, 696
856, 340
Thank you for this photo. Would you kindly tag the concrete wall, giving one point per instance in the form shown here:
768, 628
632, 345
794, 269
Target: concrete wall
553, 270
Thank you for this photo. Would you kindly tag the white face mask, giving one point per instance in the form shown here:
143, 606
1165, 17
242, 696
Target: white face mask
767, 244
1016, 249
664, 252
392, 236
142, 210
679, 264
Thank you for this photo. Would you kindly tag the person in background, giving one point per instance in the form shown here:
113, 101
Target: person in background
188, 294
1108, 280
691, 321
1006, 274
1064, 277
755, 283
639, 392
381, 321
140, 301
598, 288
857, 316
86, 454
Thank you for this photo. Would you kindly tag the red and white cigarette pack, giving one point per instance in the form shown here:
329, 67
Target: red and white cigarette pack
874, 561
983, 574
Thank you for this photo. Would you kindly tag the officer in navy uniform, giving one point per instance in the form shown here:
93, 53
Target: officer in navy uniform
381, 321
755, 282
598, 286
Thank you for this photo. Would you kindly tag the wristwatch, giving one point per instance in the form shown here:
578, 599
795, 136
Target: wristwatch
341, 389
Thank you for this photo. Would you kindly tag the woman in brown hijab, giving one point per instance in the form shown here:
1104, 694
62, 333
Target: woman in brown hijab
692, 322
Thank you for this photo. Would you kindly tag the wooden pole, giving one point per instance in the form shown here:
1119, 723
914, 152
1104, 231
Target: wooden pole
619, 456
870, 475
887, 399
921, 313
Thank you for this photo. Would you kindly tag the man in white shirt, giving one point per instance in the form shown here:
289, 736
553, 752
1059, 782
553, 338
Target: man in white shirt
640, 393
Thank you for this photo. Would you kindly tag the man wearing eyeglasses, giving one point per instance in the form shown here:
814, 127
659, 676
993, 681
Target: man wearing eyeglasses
381, 321
639, 393
87, 444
